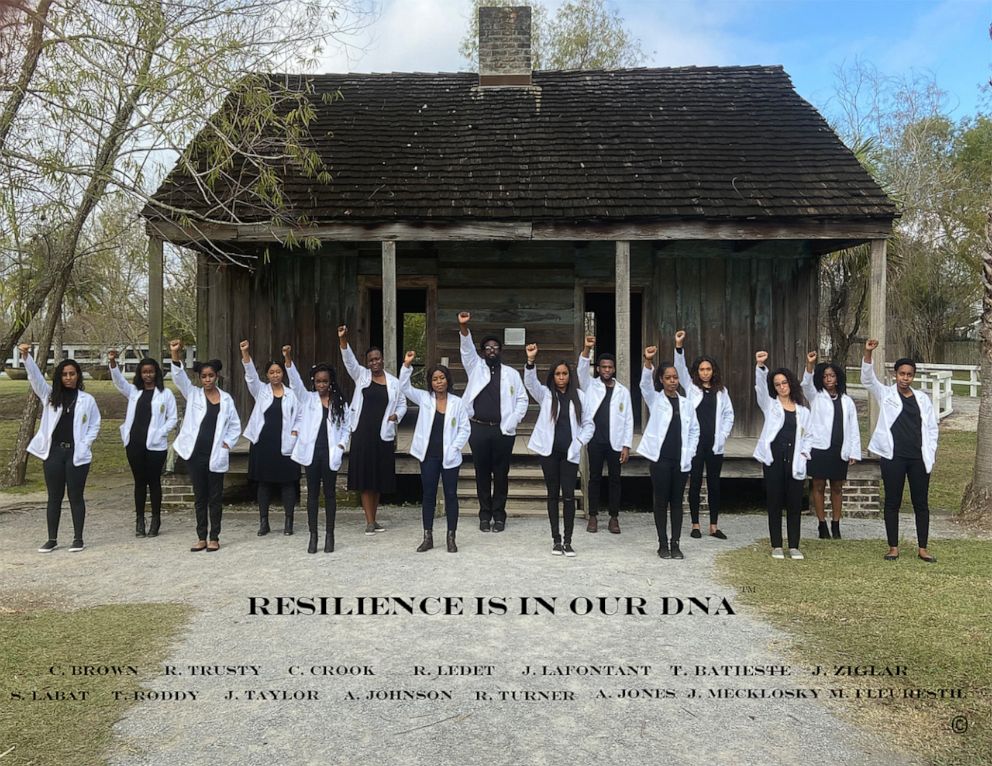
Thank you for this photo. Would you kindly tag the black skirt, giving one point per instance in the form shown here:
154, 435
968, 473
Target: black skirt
371, 461
266, 463
827, 464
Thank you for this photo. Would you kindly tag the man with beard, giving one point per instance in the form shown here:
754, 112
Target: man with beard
609, 400
496, 403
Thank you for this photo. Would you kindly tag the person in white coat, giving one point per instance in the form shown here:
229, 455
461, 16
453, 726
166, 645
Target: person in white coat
151, 415
669, 443
441, 433
376, 408
323, 425
496, 402
209, 430
905, 439
70, 422
783, 449
835, 439
703, 384
613, 431
558, 440
271, 430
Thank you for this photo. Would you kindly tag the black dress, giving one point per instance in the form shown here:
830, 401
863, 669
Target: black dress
266, 463
827, 463
372, 462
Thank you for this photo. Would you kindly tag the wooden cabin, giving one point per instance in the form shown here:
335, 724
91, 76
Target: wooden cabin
634, 201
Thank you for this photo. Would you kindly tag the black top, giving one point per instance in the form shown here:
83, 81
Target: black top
785, 439
205, 436
837, 430
321, 444
602, 419
142, 418
907, 430
563, 425
486, 404
435, 444
63, 429
706, 414
671, 448
374, 402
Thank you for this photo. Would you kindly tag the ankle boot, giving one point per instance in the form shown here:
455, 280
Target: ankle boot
329, 541
428, 542
263, 523
835, 529
156, 523
288, 527
823, 531
452, 548
312, 547
139, 524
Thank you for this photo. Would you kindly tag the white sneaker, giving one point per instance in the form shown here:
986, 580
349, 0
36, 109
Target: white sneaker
48, 547
777, 553
796, 554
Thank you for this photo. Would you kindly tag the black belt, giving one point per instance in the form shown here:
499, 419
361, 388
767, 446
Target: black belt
485, 422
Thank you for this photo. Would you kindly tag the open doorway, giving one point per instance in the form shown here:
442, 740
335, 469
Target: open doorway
414, 325
601, 321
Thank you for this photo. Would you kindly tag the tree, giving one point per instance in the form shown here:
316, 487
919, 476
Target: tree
584, 34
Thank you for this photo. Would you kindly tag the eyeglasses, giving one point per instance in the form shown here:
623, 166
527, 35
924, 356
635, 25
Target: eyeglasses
490, 347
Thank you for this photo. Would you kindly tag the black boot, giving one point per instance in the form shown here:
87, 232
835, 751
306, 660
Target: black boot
156, 523
329, 541
824, 532
139, 524
263, 522
428, 542
312, 547
288, 527
452, 548
835, 529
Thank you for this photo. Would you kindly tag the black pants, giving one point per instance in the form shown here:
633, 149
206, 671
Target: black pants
146, 467
286, 492
713, 464
668, 482
560, 477
491, 454
431, 472
319, 473
783, 491
894, 475
208, 493
61, 476
599, 454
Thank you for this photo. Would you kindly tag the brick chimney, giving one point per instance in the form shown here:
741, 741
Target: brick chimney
504, 46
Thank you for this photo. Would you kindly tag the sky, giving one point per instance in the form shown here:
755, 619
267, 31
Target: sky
948, 39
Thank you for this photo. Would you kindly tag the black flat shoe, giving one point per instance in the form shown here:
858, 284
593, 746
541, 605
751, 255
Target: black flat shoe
892, 556
928, 559
696, 534
663, 552
483, 526
718, 535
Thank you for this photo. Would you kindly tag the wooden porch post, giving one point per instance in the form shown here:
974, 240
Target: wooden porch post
155, 300
203, 306
623, 311
876, 319
389, 305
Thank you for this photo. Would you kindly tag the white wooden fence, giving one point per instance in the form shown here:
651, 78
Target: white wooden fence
936, 379
93, 356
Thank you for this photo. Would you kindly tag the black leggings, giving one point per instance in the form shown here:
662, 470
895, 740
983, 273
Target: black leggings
432, 471
783, 491
208, 496
560, 477
317, 473
705, 458
668, 482
287, 493
894, 475
61, 475
146, 467
599, 454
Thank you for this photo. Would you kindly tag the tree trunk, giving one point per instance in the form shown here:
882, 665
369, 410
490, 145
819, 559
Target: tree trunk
16, 471
977, 500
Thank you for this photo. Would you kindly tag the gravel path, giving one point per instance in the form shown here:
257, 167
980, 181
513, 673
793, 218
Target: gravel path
334, 729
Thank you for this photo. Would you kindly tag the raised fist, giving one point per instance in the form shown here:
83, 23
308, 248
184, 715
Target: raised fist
287, 351
811, 357
590, 342
25, 349
679, 338
112, 357
408, 359
343, 331
531, 352
650, 352
463, 317
761, 358
871, 344
175, 345
243, 345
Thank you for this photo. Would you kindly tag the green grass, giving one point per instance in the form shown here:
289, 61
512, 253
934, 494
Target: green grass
34, 732
845, 605
952, 470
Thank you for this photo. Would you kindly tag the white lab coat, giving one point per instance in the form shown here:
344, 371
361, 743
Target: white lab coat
456, 425
512, 397
543, 437
774, 419
659, 420
164, 413
363, 379
85, 419
724, 407
309, 411
821, 424
228, 423
890, 407
621, 412
262, 393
